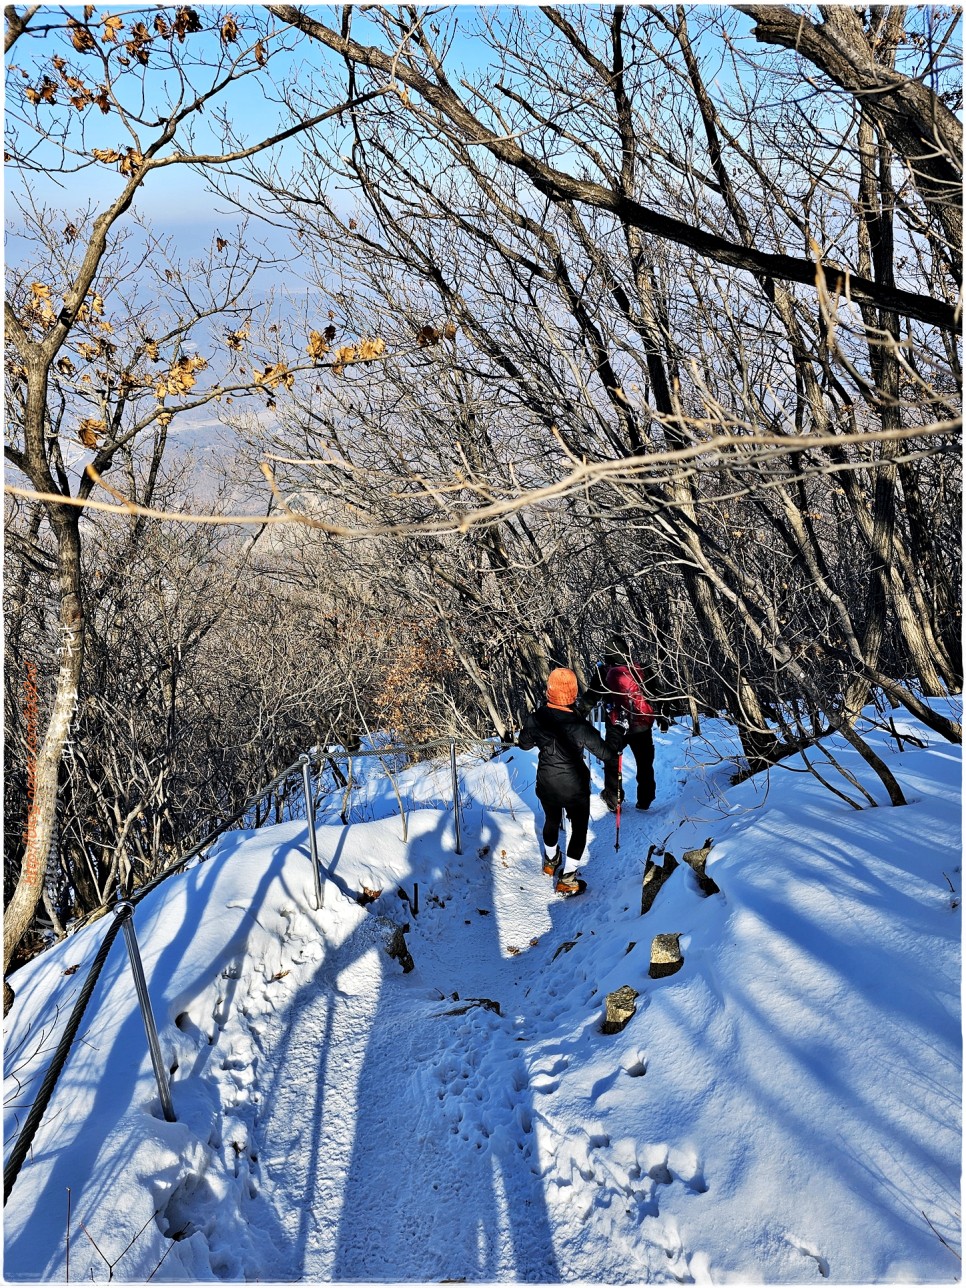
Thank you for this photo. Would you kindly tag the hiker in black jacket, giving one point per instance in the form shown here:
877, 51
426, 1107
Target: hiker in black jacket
563, 777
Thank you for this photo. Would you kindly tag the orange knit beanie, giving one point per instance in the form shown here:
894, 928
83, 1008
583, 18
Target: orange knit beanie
561, 687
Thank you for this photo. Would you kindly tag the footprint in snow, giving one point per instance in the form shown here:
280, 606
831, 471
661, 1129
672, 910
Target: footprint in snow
544, 1081
808, 1250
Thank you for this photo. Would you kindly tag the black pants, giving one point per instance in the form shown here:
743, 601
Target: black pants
577, 809
641, 744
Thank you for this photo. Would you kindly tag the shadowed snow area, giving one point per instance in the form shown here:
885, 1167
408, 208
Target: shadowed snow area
783, 1109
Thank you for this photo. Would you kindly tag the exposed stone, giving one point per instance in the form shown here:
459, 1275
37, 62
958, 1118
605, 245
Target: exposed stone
486, 1002
654, 877
397, 948
565, 947
697, 861
666, 956
620, 1009
8, 996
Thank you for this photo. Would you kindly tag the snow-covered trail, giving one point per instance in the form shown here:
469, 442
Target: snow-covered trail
407, 1154
785, 1108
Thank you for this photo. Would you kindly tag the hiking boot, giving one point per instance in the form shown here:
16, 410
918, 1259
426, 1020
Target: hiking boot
641, 805
568, 883
611, 799
551, 861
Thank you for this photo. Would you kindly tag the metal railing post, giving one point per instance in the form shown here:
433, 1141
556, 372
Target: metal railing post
456, 795
147, 1015
310, 823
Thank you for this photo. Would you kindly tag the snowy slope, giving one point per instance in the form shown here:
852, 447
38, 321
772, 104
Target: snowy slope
784, 1109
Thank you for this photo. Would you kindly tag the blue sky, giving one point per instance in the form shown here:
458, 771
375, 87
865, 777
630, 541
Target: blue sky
177, 198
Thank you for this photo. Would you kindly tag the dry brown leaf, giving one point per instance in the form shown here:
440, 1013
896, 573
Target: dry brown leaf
80, 37
44, 93
89, 429
186, 21
370, 348
235, 339
131, 161
274, 375
316, 347
139, 44
180, 379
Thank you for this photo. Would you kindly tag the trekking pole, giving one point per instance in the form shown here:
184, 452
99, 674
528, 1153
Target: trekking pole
620, 794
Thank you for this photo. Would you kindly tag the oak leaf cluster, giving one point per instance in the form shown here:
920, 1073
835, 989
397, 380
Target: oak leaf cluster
180, 378
273, 375
363, 351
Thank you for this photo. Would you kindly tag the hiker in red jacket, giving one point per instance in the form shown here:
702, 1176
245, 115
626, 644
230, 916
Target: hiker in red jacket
629, 718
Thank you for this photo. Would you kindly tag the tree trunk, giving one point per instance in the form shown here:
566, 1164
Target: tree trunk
42, 809
20, 911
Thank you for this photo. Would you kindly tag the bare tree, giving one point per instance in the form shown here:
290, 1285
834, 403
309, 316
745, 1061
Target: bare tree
73, 69
562, 288
628, 325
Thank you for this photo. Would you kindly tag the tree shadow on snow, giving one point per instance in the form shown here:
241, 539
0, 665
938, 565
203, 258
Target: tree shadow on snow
90, 1165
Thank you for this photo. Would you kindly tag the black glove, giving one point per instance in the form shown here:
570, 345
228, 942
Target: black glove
663, 723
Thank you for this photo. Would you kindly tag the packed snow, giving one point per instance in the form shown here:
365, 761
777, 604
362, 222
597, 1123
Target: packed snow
785, 1108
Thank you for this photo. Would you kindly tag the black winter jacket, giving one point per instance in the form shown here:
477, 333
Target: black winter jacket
561, 737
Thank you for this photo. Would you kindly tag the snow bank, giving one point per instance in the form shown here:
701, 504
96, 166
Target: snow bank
784, 1109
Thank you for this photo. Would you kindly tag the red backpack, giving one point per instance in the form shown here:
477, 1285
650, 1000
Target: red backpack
628, 705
